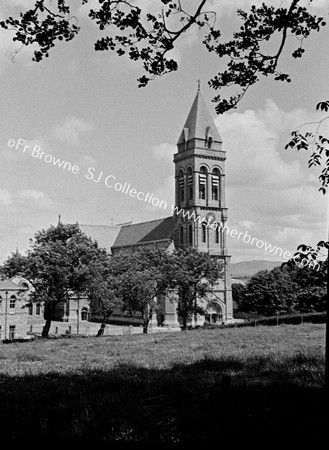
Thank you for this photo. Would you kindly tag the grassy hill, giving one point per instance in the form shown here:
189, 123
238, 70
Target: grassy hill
165, 388
245, 269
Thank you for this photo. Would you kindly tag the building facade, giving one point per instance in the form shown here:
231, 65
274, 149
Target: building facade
15, 309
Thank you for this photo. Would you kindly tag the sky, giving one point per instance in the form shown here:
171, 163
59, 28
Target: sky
84, 108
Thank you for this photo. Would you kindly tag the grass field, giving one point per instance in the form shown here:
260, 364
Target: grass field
172, 387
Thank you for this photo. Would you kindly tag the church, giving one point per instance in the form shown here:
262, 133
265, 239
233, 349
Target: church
199, 201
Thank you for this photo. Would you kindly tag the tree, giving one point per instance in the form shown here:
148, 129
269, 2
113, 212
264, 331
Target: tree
141, 277
238, 291
148, 38
61, 261
16, 264
193, 274
104, 290
269, 292
318, 257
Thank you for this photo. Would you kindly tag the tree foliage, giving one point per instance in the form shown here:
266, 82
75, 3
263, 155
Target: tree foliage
194, 276
141, 276
315, 141
61, 260
148, 38
292, 287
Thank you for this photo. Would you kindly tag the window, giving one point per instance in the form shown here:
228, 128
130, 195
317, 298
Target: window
181, 185
215, 184
190, 234
84, 314
190, 183
203, 183
12, 332
30, 307
38, 309
209, 142
217, 234
181, 235
203, 233
12, 304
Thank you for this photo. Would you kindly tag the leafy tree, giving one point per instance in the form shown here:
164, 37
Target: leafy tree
148, 38
16, 264
193, 274
141, 276
61, 261
269, 292
104, 290
238, 291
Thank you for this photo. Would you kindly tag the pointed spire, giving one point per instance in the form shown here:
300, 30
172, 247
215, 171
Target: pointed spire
199, 123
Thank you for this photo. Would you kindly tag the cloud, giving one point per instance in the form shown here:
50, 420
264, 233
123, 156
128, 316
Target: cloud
270, 192
28, 198
71, 130
164, 152
31, 194
5, 197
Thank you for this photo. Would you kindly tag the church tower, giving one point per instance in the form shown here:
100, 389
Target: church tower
200, 209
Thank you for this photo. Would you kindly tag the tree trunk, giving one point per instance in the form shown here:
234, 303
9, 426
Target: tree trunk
46, 328
184, 317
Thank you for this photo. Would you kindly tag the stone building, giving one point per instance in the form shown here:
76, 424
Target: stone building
14, 309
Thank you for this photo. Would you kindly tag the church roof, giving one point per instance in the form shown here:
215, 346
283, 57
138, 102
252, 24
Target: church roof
198, 121
105, 235
139, 233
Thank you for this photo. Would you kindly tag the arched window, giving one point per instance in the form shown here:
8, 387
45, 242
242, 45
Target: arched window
203, 233
181, 185
190, 234
190, 183
12, 304
84, 314
30, 307
217, 234
181, 235
209, 142
215, 184
203, 183
38, 309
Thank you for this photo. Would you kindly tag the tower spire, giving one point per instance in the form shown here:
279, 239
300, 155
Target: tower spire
199, 84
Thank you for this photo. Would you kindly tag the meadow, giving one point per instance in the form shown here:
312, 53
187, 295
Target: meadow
200, 385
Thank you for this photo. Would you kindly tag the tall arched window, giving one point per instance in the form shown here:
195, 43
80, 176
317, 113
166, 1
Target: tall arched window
215, 184
203, 183
38, 309
203, 233
217, 234
181, 185
190, 234
190, 183
181, 235
209, 142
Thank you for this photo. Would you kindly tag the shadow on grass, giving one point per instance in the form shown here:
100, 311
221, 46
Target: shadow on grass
204, 401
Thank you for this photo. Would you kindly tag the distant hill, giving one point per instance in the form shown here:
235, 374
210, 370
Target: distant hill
245, 269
